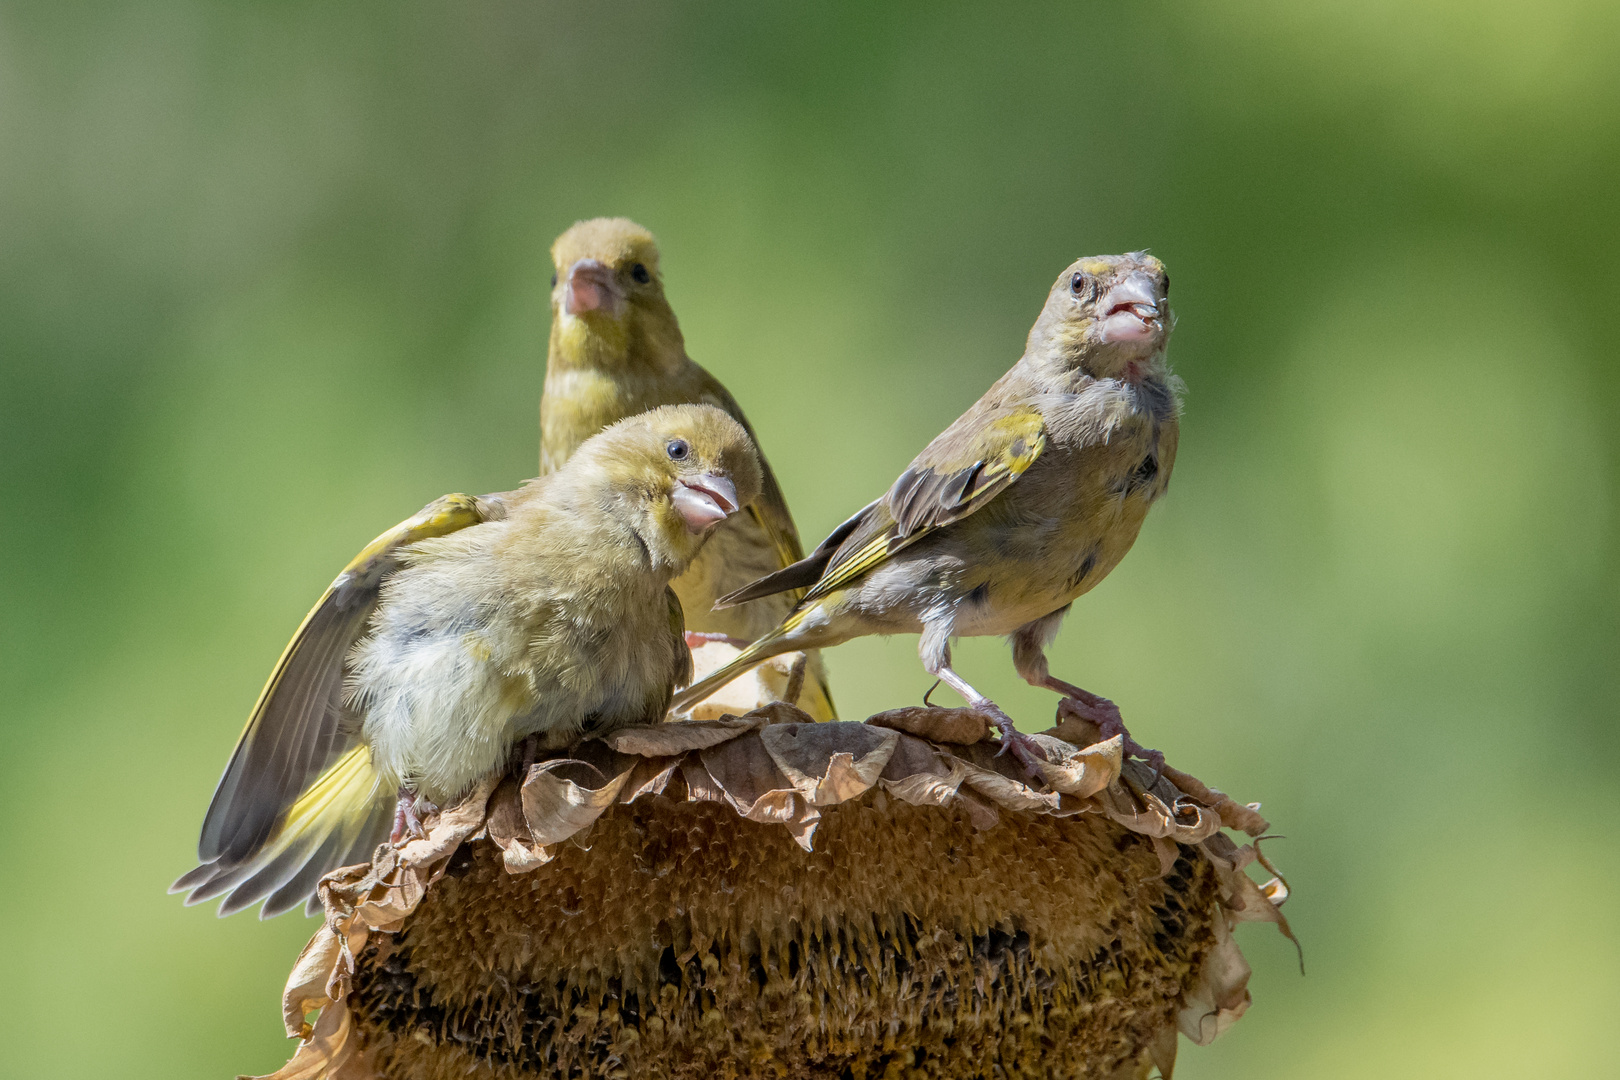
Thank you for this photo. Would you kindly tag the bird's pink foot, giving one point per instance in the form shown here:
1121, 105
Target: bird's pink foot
1025, 749
1105, 714
1022, 747
695, 638
407, 824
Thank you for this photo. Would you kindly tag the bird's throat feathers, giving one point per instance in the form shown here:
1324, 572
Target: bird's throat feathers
1144, 385
1068, 353
606, 342
530, 556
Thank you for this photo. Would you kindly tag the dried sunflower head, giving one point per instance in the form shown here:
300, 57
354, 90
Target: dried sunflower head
922, 910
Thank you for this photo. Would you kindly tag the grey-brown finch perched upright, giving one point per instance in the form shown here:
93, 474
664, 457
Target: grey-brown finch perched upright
1022, 505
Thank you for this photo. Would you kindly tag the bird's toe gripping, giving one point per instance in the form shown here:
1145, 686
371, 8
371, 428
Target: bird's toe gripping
407, 823
1106, 716
1022, 747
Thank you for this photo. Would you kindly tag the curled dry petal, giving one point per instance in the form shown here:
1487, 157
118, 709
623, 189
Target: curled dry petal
667, 740
961, 726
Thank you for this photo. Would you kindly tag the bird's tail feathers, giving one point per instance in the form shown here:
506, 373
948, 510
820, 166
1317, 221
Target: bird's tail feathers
337, 821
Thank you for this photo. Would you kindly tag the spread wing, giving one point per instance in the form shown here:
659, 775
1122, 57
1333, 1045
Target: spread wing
964, 468
295, 732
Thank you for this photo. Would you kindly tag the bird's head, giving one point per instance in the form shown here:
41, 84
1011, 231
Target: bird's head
607, 298
1108, 316
674, 473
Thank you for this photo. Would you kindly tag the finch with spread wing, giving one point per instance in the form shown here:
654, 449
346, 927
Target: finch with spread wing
542, 614
617, 350
1022, 505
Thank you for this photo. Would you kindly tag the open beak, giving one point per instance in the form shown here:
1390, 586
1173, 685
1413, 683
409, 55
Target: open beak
1131, 310
705, 500
590, 288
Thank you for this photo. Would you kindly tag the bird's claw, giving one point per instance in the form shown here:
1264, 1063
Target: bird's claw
1153, 758
1106, 716
407, 823
1100, 711
1024, 749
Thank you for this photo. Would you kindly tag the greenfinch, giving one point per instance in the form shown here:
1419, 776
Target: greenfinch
616, 350
543, 614
1022, 505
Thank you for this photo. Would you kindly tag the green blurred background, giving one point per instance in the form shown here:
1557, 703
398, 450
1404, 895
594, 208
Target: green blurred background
272, 276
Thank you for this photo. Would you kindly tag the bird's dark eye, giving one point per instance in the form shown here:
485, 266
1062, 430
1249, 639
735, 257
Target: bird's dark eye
553, 281
1167, 286
678, 450
1077, 284
639, 272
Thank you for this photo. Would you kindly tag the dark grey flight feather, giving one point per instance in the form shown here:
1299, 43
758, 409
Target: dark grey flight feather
800, 575
295, 737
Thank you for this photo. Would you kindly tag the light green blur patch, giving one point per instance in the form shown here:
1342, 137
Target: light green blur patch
275, 276
1456, 443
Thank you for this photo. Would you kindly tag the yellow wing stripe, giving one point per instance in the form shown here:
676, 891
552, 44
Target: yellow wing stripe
1014, 442
1028, 426
875, 551
1023, 437
280, 669
438, 518
350, 783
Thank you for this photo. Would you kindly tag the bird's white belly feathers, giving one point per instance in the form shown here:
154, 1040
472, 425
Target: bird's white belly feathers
446, 690
973, 620
438, 714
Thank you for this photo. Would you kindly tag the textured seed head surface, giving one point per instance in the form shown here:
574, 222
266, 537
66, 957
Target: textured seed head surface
677, 939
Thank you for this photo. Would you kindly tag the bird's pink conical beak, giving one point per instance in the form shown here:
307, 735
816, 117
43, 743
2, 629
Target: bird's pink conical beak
1131, 310
590, 288
705, 500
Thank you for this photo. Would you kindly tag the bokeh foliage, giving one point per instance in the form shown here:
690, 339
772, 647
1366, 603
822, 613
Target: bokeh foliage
272, 276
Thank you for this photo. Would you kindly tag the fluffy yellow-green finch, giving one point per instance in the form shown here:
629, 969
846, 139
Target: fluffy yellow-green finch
617, 350
543, 613
1023, 504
